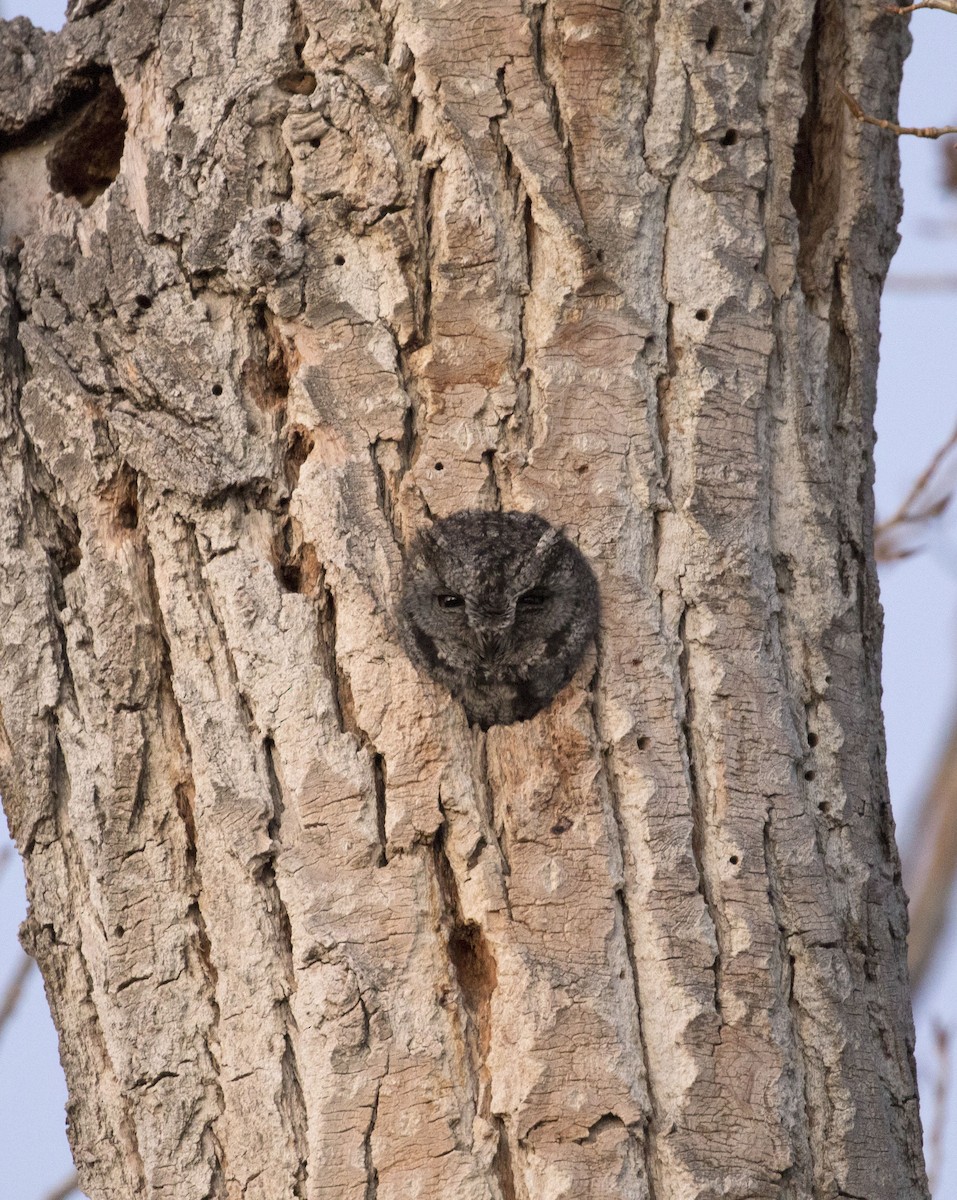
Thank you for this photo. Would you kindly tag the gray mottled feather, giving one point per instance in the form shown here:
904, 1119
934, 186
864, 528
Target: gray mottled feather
499, 607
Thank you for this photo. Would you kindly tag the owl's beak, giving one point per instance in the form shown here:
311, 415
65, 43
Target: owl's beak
489, 642
491, 638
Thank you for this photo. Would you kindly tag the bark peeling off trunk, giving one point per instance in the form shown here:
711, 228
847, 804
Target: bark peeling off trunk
303, 932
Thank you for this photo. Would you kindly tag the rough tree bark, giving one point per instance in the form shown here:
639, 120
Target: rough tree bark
283, 278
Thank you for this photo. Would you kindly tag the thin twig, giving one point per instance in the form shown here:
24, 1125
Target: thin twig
930, 862
928, 131
12, 994
65, 1188
918, 506
948, 6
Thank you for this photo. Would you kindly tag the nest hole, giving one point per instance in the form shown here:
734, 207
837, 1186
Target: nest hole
85, 159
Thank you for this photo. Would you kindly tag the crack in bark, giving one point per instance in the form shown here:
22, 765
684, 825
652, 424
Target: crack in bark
419, 282
372, 1174
379, 777
202, 594
475, 972
424, 218
483, 789
522, 369
345, 710
502, 1163
539, 57
613, 790
649, 1141
797, 1061
515, 427
326, 620
661, 439
292, 1101
238, 26
815, 185
185, 792
699, 824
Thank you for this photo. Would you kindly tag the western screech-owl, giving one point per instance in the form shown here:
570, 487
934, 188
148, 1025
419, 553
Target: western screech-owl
500, 608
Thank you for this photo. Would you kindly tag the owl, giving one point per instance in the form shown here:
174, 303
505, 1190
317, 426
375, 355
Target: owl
499, 607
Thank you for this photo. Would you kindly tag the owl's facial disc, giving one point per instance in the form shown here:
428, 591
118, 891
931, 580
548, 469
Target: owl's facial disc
499, 607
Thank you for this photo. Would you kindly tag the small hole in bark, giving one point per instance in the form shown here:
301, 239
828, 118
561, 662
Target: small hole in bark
119, 931
128, 514
298, 83
85, 158
264, 375
824, 807
300, 446
827, 679
635, 662
121, 497
733, 860
730, 138
290, 576
562, 826
274, 226
474, 968
642, 742
294, 561
812, 740
809, 775
440, 466
747, 5
712, 38
582, 469
217, 389
339, 260
702, 314
144, 302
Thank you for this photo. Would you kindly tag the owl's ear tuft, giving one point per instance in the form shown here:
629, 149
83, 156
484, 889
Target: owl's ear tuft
423, 544
547, 542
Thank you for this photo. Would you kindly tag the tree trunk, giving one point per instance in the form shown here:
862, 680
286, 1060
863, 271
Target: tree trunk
283, 281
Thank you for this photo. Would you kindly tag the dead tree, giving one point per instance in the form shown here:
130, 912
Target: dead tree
283, 281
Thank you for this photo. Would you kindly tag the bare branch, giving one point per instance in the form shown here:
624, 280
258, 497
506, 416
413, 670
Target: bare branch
11, 995
927, 131
928, 498
64, 1188
901, 282
948, 6
930, 863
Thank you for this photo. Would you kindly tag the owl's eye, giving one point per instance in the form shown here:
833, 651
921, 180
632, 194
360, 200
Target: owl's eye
450, 601
534, 598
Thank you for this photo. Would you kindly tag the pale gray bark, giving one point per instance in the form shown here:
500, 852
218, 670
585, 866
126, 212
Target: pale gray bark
304, 933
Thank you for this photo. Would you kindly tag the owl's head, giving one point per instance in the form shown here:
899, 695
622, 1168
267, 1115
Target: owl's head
483, 589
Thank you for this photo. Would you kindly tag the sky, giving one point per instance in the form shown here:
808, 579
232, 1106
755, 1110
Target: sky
916, 412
